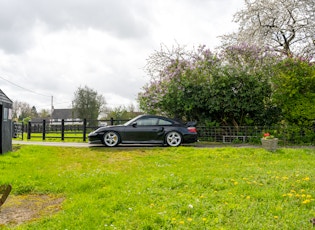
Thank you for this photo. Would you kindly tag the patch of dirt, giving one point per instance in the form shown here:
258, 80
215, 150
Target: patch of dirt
20, 209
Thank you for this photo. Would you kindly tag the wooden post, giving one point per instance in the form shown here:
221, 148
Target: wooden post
44, 130
22, 130
29, 130
62, 129
84, 129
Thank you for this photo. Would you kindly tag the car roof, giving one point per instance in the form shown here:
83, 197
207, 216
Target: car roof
159, 117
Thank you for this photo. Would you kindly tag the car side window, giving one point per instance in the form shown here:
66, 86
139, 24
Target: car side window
147, 121
164, 122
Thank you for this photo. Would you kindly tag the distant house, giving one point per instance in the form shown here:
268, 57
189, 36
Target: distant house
58, 115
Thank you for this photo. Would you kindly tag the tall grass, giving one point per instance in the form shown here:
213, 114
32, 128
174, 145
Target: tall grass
167, 188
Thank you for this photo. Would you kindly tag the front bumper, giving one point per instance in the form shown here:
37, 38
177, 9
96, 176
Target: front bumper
94, 138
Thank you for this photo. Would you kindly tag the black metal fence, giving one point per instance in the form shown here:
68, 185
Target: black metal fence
79, 129
74, 129
287, 135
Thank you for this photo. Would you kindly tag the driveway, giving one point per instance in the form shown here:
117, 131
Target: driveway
62, 144
87, 145
75, 144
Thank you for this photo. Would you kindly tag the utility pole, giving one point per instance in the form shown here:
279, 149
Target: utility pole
52, 105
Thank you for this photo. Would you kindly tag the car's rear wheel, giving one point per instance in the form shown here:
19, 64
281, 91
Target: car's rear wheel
111, 139
173, 139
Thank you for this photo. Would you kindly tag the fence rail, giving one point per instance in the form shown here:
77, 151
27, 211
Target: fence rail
74, 129
226, 134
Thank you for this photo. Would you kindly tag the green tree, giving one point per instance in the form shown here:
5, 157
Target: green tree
88, 104
44, 113
179, 88
122, 113
248, 72
34, 112
232, 88
22, 110
294, 91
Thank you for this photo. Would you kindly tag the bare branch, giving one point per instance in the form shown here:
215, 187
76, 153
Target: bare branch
284, 25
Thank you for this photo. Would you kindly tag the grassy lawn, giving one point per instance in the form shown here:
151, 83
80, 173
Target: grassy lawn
165, 188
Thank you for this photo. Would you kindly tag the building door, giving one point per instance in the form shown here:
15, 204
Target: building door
1, 131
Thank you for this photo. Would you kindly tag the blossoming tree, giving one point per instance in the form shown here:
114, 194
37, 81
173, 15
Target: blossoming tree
211, 88
287, 26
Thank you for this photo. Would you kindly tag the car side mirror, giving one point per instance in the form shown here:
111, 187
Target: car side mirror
134, 124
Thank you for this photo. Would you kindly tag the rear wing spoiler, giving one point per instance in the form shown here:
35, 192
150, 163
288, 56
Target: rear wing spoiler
191, 124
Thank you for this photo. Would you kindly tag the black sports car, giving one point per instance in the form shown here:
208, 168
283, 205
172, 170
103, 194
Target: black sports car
146, 129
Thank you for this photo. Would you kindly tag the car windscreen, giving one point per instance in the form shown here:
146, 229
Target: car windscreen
132, 120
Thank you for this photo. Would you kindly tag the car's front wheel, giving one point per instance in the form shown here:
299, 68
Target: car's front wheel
111, 139
173, 139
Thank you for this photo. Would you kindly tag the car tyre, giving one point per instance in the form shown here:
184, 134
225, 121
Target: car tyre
173, 139
111, 139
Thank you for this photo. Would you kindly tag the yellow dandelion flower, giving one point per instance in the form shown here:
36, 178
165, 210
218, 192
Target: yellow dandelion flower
181, 222
306, 201
189, 219
248, 197
276, 217
290, 194
306, 178
308, 196
204, 219
235, 183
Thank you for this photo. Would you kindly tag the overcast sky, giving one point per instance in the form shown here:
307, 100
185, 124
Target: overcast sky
50, 48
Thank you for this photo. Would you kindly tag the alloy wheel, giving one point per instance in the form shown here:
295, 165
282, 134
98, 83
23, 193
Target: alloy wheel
111, 139
173, 139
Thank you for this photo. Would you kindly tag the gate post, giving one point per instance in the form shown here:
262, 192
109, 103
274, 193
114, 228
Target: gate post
44, 130
29, 130
84, 129
23, 130
62, 129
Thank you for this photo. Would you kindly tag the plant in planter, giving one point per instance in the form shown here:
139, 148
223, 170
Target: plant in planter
269, 142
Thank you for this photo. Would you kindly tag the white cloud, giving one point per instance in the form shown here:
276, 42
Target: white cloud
52, 48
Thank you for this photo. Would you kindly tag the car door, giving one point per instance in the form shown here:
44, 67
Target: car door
143, 130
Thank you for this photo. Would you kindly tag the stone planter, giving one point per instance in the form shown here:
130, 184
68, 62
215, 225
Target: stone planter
270, 144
